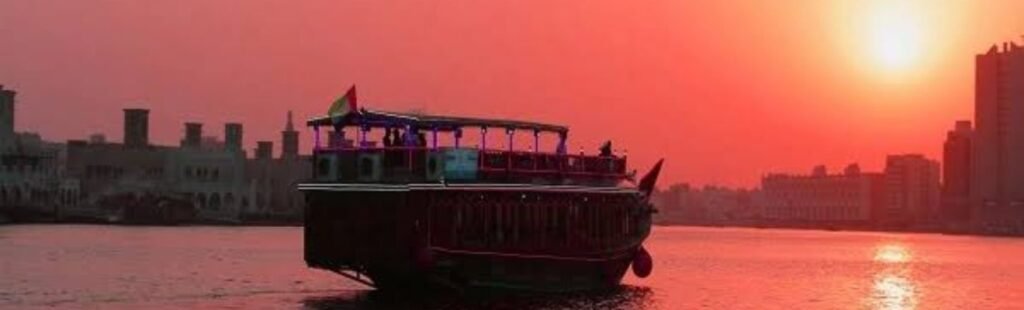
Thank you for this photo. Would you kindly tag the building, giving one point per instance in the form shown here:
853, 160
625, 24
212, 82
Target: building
850, 197
214, 179
911, 189
956, 173
136, 128
103, 170
997, 170
204, 171
274, 180
29, 167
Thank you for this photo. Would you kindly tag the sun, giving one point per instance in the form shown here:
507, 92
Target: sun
894, 36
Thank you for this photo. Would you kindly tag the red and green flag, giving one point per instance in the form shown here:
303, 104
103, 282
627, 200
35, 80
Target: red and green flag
345, 104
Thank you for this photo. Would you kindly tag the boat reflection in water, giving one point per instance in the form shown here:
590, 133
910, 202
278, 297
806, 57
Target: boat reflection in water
623, 297
893, 287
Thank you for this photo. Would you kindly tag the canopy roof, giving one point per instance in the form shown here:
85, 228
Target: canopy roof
377, 118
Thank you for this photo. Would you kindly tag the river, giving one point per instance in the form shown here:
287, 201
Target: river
122, 267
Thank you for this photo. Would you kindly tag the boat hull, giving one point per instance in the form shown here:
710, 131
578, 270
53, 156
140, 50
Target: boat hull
474, 236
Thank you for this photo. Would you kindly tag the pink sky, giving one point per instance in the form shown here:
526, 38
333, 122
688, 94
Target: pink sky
724, 90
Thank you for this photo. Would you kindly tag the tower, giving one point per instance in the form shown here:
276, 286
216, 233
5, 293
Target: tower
6, 114
265, 150
136, 128
233, 137
289, 140
193, 135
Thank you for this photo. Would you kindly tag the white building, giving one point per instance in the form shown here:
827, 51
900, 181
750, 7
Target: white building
821, 197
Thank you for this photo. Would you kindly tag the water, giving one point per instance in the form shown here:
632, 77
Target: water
71, 266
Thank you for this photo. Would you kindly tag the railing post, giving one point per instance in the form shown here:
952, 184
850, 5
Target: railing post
510, 132
483, 138
536, 141
434, 143
458, 136
316, 138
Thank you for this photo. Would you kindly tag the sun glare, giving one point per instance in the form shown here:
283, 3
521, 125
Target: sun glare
894, 37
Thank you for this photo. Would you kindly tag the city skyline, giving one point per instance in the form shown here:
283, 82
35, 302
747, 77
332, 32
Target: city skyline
787, 87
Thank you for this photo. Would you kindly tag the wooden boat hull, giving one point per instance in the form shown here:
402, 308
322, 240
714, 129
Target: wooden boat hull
493, 236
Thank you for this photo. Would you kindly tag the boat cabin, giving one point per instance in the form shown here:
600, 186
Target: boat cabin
410, 152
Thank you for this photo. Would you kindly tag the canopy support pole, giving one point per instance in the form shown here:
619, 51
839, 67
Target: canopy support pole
483, 138
316, 138
458, 136
510, 132
434, 143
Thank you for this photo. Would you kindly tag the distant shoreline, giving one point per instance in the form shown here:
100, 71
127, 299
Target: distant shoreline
854, 229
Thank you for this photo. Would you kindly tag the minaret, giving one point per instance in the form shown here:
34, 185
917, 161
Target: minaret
289, 140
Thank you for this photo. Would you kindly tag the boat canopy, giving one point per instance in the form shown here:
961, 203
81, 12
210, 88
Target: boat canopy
377, 118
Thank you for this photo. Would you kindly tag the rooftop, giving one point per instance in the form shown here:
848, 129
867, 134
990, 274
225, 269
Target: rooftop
378, 118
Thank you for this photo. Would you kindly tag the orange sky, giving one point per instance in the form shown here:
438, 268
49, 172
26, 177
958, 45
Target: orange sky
725, 90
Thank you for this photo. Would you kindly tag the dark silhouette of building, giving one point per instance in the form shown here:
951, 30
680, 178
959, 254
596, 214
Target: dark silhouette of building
956, 173
911, 189
265, 150
233, 137
289, 140
136, 128
193, 135
998, 146
6, 115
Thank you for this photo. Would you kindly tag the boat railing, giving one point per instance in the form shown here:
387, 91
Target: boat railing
414, 162
550, 163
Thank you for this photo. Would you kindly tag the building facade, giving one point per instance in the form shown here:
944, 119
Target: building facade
29, 166
911, 189
850, 197
956, 173
998, 146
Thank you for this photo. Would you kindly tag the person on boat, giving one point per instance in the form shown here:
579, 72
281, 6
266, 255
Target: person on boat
421, 140
388, 141
606, 149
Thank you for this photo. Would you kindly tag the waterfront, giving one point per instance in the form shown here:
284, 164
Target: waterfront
76, 266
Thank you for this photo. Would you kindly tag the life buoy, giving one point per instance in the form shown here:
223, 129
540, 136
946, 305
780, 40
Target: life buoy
642, 263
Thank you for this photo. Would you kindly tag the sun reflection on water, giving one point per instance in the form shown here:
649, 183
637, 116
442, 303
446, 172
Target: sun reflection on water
892, 292
892, 253
893, 288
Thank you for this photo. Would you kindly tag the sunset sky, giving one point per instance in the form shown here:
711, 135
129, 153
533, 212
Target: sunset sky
724, 90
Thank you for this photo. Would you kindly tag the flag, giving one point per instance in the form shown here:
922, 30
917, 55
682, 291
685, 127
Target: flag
345, 104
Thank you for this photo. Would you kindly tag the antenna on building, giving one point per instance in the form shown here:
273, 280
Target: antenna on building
289, 126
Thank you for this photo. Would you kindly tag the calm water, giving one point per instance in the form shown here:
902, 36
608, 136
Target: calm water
262, 268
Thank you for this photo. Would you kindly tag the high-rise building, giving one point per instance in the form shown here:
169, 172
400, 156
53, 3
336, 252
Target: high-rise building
6, 114
289, 140
956, 173
998, 143
911, 189
136, 128
193, 135
233, 137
